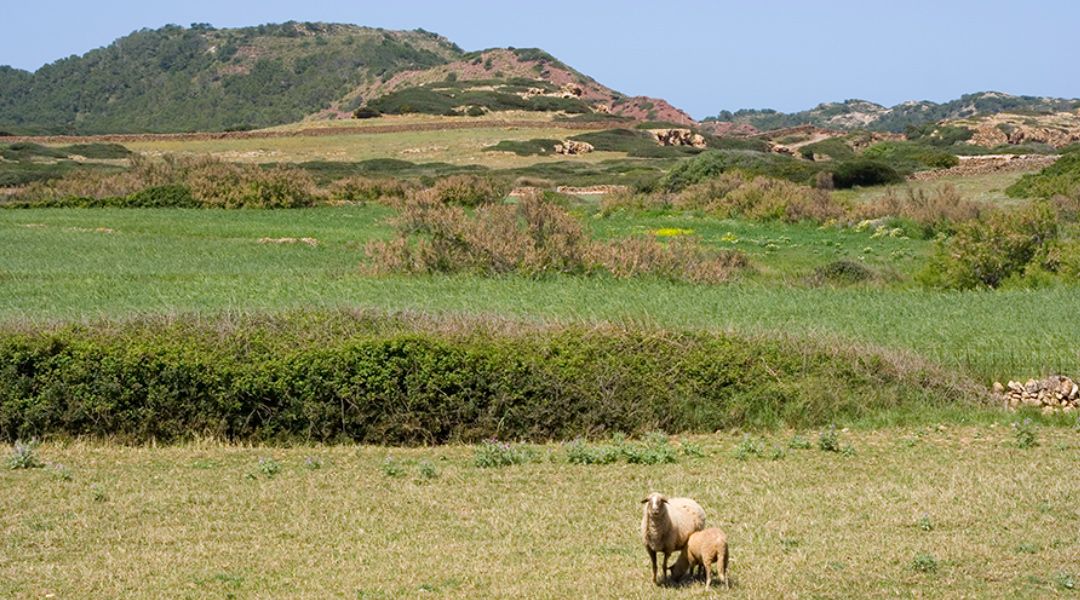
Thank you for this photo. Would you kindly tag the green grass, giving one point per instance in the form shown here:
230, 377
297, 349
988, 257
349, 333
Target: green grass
206, 520
167, 261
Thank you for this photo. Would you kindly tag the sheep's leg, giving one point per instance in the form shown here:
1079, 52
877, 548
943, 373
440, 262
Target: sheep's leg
667, 574
723, 571
652, 555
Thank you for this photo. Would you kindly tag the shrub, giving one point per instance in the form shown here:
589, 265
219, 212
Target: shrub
525, 148
392, 468
940, 211
406, 379
908, 157
469, 190
654, 450
1060, 178
366, 189
843, 272
532, 238
749, 447
428, 470
1024, 433
366, 113
493, 453
99, 151
713, 163
829, 440
269, 467
23, 456
834, 148
924, 563
985, 253
738, 194
183, 182
229, 185
680, 259
863, 172
580, 452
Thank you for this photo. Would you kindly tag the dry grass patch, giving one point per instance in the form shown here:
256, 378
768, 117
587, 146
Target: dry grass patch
210, 520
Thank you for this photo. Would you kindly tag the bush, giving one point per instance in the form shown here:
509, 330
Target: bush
940, 211
532, 238
177, 182
835, 148
713, 163
525, 148
843, 272
740, 195
469, 190
366, 189
493, 453
380, 379
366, 113
908, 157
1060, 178
862, 173
985, 253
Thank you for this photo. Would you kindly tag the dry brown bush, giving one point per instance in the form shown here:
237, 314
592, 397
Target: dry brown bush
938, 211
470, 190
232, 185
212, 183
367, 189
760, 198
532, 238
681, 259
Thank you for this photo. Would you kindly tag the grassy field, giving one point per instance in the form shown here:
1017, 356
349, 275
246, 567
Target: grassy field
930, 512
60, 264
459, 147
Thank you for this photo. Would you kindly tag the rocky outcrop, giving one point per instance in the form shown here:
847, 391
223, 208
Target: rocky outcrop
573, 147
1052, 394
677, 137
1057, 129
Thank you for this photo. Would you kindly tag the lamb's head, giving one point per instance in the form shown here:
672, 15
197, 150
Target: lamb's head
655, 503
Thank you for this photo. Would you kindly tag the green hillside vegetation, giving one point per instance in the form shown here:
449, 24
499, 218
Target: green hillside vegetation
902, 116
1060, 178
457, 98
201, 78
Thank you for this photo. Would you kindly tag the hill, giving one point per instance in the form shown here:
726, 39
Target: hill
861, 114
199, 78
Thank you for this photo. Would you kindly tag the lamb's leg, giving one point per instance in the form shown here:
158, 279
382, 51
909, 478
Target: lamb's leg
652, 555
666, 573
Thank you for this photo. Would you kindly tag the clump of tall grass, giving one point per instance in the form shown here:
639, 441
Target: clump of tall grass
532, 238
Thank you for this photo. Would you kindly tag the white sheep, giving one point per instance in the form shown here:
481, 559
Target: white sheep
666, 525
704, 549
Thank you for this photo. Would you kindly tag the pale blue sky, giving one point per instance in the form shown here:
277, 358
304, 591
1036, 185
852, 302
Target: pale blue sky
702, 56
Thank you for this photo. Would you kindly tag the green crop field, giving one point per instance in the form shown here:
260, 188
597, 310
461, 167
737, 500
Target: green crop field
86, 264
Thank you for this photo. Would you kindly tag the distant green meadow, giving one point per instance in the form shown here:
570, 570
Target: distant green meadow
89, 264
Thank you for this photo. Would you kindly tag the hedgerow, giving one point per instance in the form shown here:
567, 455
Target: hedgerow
372, 378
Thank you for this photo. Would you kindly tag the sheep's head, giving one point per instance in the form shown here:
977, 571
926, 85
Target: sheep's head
654, 503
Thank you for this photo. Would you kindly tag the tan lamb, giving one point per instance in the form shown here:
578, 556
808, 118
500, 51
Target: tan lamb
666, 526
704, 549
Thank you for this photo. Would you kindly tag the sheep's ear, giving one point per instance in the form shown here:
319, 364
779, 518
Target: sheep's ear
645, 499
